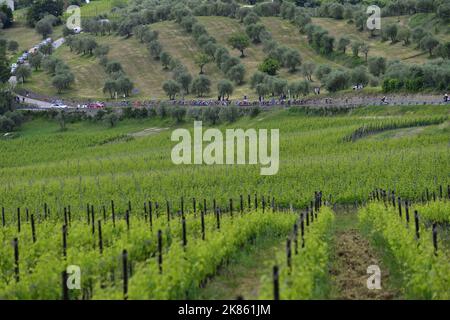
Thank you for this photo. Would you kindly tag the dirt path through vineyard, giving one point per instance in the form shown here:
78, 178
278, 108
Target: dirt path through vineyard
241, 277
352, 255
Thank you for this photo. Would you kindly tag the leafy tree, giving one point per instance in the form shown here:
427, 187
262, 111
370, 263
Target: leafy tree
110, 87
301, 21
240, 42
417, 34
255, 32
228, 63
262, 90
257, 78
111, 119
359, 76
125, 28
225, 88
443, 50
377, 65
171, 88
269, 66
201, 60
198, 30
88, 44
336, 80
44, 28
298, 88
124, 85
211, 115
229, 114
343, 43
184, 79
428, 43
155, 49
5, 71
101, 51
360, 22
336, 11
114, 67
23, 72
356, 46
46, 49
68, 32
443, 11
201, 85
13, 46
6, 101
308, 69
178, 113
322, 71
63, 80
36, 60
279, 86
391, 32
237, 73
6, 16
61, 118
251, 18
404, 34
292, 59
50, 63
210, 49
365, 48
165, 59
150, 35
6, 124
326, 44
40, 8
187, 23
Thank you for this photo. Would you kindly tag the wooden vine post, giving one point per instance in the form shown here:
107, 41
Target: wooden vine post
276, 285
125, 273
160, 257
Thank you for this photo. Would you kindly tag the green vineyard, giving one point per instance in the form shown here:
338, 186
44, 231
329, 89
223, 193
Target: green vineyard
109, 202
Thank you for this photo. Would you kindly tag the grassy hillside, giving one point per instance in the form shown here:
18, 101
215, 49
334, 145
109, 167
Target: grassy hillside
338, 28
148, 74
89, 77
286, 33
25, 36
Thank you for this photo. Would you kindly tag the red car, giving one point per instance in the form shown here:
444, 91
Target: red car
96, 105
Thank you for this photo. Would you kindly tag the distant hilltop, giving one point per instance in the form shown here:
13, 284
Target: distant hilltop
9, 3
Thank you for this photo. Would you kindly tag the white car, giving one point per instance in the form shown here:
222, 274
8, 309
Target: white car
58, 106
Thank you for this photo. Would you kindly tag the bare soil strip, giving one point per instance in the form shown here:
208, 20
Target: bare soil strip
241, 277
353, 254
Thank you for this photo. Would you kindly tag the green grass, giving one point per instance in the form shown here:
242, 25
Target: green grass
101, 7
398, 50
25, 36
241, 276
286, 33
44, 162
89, 77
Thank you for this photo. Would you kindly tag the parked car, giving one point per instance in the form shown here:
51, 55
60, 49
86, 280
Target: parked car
58, 105
96, 105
